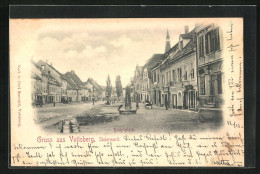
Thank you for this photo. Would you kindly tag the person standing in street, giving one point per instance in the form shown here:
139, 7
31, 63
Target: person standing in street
93, 101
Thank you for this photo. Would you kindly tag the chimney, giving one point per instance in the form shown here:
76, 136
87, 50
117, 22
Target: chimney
186, 29
47, 61
43, 67
51, 63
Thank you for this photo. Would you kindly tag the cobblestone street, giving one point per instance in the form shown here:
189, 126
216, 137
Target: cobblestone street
146, 120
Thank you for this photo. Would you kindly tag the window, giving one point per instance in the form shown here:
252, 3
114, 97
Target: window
219, 80
173, 76
154, 77
185, 72
201, 47
179, 74
169, 76
212, 41
163, 80
192, 71
202, 85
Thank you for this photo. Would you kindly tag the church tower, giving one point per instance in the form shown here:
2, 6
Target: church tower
168, 44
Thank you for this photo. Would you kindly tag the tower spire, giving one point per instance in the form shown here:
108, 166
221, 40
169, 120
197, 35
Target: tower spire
168, 44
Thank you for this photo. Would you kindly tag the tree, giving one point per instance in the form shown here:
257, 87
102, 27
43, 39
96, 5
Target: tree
119, 89
108, 89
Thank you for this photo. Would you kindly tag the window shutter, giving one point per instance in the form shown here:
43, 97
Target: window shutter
217, 39
212, 41
207, 43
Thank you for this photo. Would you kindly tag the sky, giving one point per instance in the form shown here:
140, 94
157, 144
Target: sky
94, 48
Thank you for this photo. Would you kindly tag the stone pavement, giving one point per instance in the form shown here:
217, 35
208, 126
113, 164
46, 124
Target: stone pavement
154, 120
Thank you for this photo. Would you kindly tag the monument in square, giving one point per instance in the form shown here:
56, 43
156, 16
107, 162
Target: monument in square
127, 109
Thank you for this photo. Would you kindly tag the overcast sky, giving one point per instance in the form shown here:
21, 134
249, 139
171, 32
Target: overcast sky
97, 47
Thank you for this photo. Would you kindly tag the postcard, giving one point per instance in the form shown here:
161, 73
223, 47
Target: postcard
127, 92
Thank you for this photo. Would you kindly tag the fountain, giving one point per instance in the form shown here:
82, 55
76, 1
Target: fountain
128, 109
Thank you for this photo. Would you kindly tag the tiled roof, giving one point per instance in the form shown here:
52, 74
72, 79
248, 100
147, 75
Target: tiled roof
187, 49
153, 60
71, 83
75, 78
36, 77
95, 84
186, 36
44, 72
53, 81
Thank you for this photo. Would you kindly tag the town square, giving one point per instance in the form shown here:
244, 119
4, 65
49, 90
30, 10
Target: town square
177, 90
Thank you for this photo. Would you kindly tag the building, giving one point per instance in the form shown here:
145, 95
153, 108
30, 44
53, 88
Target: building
178, 72
82, 90
138, 84
49, 85
148, 78
97, 92
60, 94
209, 65
49, 91
54, 90
156, 77
72, 90
36, 86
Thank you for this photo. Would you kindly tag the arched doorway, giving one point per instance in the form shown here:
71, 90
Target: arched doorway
174, 101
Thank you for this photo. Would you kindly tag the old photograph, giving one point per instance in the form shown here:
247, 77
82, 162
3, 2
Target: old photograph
127, 92
147, 78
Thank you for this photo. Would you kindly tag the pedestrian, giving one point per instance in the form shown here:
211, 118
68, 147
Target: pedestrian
93, 101
54, 104
166, 105
137, 106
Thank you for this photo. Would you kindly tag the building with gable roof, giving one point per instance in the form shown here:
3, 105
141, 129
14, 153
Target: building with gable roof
156, 77
72, 90
60, 96
178, 73
50, 89
83, 92
148, 78
97, 92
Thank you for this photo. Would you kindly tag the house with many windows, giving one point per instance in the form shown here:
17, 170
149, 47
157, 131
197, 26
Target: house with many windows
49, 90
60, 94
147, 93
178, 73
209, 65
